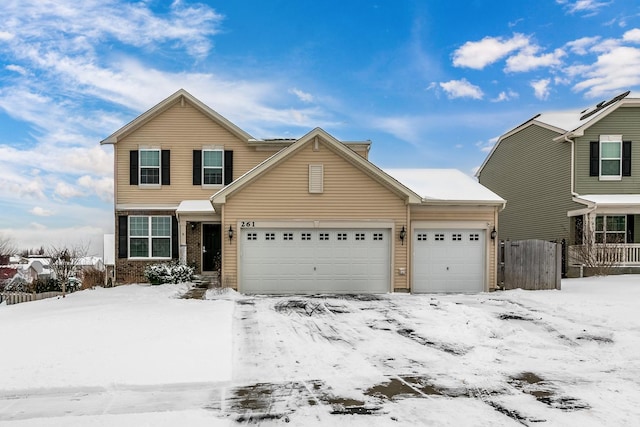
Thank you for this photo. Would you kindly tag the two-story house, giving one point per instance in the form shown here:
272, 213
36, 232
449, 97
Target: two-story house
305, 215
569, 175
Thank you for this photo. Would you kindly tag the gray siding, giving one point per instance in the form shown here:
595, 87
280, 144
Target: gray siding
624, 121
532, 173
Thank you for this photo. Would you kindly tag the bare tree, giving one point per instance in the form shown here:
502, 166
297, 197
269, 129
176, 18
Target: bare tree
6, 246
64, 261
599, 257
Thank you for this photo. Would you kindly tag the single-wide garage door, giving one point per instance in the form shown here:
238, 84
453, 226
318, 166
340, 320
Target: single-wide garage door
279, 261
448, 260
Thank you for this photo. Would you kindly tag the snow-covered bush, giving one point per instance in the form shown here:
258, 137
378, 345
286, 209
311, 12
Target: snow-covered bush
17, 284
171, 272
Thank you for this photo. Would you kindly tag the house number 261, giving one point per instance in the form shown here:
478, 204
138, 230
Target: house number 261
247, 224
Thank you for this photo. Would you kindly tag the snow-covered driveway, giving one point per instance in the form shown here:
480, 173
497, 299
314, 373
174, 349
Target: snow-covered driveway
141, 357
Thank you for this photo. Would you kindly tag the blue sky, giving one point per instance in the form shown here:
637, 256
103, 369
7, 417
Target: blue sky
431, 83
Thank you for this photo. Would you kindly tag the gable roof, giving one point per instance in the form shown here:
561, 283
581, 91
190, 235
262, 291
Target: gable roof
180, 96
568, 124
338, 147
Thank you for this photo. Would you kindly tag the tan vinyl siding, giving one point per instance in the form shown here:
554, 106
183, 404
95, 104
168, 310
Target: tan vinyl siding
533, 174
464, 213
180, 129
282, 193
624, 121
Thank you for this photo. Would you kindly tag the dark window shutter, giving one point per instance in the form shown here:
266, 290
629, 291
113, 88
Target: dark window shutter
228, 167
197, 167
630, 228
133, 167
626, 158
594, 158
123, 237
166, 167
175, 244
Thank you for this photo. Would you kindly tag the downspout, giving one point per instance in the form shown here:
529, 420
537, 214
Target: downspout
573, 190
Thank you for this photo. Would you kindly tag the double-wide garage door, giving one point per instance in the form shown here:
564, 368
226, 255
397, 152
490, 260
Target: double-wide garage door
279, 261
448, 260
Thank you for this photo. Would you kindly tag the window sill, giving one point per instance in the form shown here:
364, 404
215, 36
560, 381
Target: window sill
149, 186
212, 186
149, 259
611, 178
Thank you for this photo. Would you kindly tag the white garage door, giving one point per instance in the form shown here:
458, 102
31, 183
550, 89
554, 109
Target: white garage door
279, 261
448, 260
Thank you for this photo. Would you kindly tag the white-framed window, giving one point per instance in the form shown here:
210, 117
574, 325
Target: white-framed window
456, 237
149, 166
149, 237
212, 167
360, 236
611, 229
610, 157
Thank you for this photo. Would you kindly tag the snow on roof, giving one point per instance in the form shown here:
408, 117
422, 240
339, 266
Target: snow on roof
195, 206
444, 184
612, 199
573, 119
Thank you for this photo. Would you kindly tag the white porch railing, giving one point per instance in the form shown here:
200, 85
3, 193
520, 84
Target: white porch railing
617, 255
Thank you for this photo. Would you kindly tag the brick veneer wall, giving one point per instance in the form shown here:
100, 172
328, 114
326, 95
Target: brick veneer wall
128, 271
194, 247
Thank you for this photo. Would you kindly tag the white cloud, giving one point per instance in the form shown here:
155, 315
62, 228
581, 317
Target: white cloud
527, 59
478, 55
102, 187
5, 35
302, 96
632, 36
582, 45
39, 211
541, 88
67, 191
578, 6
613, 72
487, 146
461, 89
506, 96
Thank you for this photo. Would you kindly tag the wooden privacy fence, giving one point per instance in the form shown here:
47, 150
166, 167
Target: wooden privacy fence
18, 297
530, 264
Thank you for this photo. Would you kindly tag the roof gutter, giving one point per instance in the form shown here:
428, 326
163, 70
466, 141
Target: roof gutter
500, 203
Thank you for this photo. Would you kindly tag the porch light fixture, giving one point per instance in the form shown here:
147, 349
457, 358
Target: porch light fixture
493, 233
230, 233
193, 225
403, 234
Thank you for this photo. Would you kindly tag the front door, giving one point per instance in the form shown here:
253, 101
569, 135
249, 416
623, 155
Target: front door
211, 249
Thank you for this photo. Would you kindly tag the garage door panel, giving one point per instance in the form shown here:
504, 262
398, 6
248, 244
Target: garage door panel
315, 261
448, 260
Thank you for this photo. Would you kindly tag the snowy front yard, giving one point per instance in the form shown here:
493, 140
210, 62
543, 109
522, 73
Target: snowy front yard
138, 355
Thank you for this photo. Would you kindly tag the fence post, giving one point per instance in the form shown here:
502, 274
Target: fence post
560, 248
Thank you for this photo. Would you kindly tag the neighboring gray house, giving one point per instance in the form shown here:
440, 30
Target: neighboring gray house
569, 175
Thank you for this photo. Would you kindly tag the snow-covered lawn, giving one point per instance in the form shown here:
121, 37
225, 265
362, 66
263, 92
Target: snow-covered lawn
138, 355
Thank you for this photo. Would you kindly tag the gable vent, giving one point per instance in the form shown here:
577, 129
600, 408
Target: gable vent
316, 178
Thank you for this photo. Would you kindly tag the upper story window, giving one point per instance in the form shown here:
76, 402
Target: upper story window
149, 166
610, 158
212, 167
150, 237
